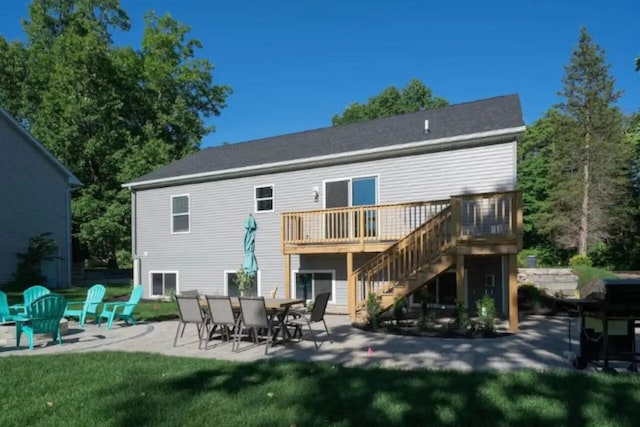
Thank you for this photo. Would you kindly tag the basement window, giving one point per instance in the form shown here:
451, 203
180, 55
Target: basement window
164, 283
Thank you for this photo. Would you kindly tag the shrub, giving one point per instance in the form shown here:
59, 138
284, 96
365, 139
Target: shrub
487, 312
531, 297
373, 308
580, 260
523, 254
399, 308
462, 320
244, 280
546, 256
124, 259
603, 256
29, 269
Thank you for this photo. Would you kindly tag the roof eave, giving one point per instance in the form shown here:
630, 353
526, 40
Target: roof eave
459, 141
72, 180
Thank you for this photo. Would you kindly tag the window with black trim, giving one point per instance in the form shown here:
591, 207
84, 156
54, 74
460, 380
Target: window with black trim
180, 214
264, 198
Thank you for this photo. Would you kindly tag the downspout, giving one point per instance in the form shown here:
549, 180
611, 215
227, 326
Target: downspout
69, 238
69, 233
134, 241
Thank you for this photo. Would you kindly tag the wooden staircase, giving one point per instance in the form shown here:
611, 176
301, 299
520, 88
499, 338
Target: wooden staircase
407, 265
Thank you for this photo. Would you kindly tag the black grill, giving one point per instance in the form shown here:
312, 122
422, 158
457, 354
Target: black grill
607, 324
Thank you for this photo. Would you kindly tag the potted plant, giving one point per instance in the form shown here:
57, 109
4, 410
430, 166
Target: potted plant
244, 281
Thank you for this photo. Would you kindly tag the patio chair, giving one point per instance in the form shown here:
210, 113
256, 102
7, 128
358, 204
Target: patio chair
5, 313
81, 309
44, 317
121, 310
29, 295
253, 317
317, 315
189, 311
222, 315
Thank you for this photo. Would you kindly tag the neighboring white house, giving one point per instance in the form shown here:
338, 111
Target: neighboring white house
307, 191
36, 198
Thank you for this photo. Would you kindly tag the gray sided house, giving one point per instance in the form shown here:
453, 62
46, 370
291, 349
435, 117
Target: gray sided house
389, 206
36, 193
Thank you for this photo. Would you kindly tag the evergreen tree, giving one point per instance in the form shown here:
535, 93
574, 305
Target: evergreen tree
590, 160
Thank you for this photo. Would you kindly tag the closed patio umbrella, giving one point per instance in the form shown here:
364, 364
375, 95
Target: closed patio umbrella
250, 264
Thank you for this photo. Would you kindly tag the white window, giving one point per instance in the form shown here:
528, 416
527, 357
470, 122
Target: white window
264, 198
180, 214
163, 283
231, 286
309, 284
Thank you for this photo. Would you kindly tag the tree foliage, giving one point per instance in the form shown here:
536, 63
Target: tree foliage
589, 158
109, 113
390, 102
623, 250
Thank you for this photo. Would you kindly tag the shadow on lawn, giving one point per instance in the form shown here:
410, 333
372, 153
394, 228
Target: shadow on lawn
284, 392
322, 394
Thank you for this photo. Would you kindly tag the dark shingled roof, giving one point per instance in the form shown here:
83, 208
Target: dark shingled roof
461, 119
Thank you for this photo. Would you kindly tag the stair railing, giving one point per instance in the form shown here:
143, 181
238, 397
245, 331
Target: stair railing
404, 258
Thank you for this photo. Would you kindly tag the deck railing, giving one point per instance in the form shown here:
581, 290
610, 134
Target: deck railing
488, 214
357, 224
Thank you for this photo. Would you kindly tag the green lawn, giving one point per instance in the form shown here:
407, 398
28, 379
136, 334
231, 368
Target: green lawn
135, 389
149, 311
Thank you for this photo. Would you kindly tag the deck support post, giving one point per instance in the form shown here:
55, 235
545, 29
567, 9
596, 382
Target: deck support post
513, 292
460, 290
287, 276
351, 287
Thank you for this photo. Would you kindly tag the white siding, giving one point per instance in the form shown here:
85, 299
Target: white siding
219, 209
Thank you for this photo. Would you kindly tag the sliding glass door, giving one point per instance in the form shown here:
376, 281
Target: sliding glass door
345, 193
309, 284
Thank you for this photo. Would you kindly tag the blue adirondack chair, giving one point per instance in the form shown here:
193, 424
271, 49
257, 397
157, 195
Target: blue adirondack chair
81, 309
5, 313
30, 294
121, 310
44, 317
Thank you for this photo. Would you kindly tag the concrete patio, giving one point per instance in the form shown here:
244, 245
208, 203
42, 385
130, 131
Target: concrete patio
540, 344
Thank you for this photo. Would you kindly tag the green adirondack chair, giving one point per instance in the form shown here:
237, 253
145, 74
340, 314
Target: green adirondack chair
5, 313
30, 294
121, 310
81, 309
44, 317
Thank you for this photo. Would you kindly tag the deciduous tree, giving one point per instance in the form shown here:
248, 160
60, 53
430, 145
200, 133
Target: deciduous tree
109, 113
414, 97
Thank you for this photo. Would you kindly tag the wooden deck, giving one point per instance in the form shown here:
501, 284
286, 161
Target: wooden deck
481, 223
414, 242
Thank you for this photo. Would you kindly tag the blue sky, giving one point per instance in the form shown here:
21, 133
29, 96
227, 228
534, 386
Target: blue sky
295, 63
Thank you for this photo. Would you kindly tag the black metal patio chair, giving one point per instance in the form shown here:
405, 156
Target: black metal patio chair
298, 319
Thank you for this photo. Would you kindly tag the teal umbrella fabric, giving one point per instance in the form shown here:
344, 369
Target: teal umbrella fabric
250, 263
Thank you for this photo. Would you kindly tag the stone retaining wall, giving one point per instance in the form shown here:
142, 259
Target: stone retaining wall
553, 280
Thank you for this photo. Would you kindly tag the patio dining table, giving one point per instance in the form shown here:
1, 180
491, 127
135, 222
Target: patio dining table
275, 306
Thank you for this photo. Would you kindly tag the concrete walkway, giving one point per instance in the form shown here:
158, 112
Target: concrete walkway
539, 345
